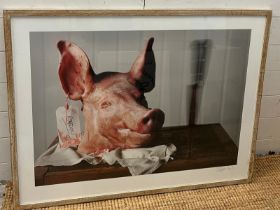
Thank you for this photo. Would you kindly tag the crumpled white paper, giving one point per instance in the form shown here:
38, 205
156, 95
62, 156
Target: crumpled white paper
139, 161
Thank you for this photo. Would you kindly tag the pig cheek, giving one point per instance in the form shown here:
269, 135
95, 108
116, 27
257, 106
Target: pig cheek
107, 121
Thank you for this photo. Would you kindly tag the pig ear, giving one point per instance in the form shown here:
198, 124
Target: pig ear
144, 67
75, 72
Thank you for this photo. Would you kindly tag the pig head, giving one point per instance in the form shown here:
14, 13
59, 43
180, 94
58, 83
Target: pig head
115, 110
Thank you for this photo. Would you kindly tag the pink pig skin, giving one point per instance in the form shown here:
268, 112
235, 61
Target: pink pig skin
114, 106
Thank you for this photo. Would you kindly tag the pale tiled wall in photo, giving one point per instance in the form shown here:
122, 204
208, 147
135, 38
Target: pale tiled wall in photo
269, 125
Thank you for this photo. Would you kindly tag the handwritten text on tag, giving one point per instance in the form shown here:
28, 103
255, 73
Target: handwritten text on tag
68, 126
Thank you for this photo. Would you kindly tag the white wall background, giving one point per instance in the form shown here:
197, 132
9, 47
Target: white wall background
269, 132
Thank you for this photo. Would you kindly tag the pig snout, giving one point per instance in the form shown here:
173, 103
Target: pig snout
152, 120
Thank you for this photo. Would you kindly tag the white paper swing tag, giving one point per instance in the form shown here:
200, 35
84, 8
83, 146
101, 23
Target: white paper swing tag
68, 126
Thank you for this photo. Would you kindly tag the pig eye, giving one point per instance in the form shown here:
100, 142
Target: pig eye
105, 104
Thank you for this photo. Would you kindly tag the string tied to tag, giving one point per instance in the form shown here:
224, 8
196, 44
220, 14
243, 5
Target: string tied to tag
67, 103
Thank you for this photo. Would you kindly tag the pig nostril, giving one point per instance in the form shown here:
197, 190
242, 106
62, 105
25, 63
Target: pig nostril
152, 121
145, 120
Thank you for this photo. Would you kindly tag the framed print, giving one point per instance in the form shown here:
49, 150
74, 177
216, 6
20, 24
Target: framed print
109, 104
